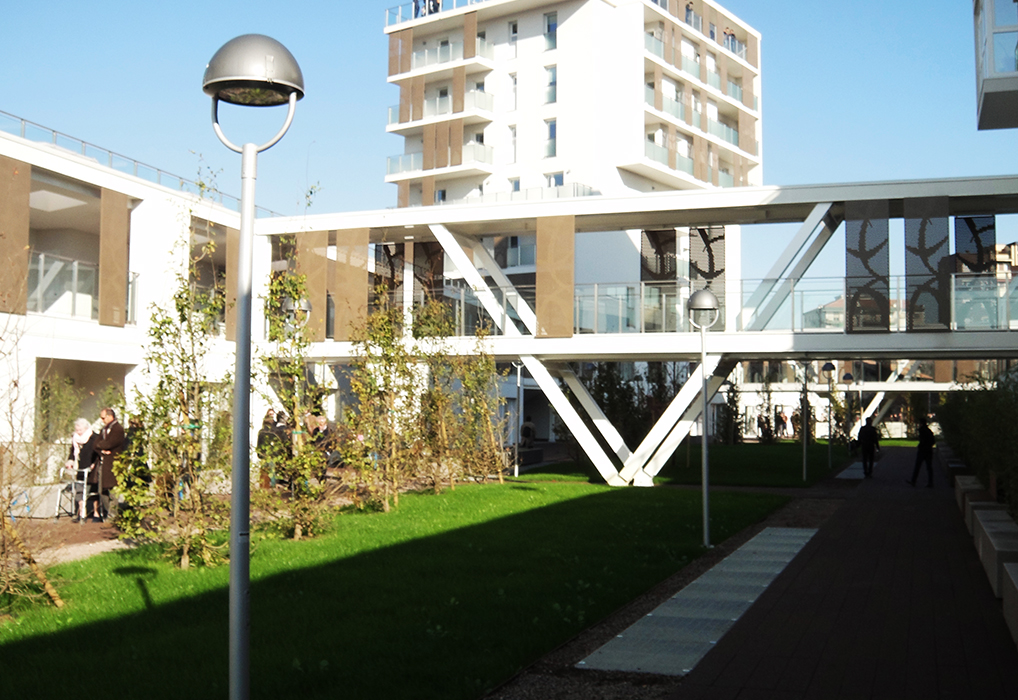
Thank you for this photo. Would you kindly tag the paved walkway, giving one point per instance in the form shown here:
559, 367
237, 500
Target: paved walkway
887, 600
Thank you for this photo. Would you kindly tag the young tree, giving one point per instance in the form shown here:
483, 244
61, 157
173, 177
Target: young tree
169, 491
300, 463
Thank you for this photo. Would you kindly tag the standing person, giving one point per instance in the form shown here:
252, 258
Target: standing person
269, 447
924, 453
782, 425
109, 444
81, 459
527, 431
869, 443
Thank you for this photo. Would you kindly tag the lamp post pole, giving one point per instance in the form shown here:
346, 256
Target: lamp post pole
848, 378
828, 371
249, 70
519, 413
704, 300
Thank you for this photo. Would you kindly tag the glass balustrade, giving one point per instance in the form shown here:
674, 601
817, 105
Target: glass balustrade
723, 131
691, 66
654, 45
674, 108
807, 305
61, 286
439, 106
714, 79
735, 91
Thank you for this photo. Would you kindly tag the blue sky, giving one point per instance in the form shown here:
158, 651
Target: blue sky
869, 90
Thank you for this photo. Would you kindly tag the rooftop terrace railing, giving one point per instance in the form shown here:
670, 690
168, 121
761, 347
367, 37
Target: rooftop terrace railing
16, 126
61, 286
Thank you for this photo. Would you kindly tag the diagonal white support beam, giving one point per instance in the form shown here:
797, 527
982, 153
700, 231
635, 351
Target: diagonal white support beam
601, 422
685, 424
688, 394
779, 278
466, 267
523, 310
588, 443
573, 421
904, 369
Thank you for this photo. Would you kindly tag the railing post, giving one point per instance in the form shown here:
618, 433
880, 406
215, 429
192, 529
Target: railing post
791, 296
74, 289
596, 326
643, 307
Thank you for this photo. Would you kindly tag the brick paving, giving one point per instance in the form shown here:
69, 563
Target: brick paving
888, 600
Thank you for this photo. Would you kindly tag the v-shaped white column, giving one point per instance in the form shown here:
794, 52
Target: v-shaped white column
588, 443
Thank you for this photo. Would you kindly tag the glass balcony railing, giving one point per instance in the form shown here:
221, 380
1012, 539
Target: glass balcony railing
674, 108
691, 66
25, 129
735, 91
530, 194
60, 286
550, 148
654, 45
736, 47
452, 51
550, 94
726, 179
693, 20
411, 162
424, 8
659, 153
439, 106
723, 131
714, 79
550, 41
404, 163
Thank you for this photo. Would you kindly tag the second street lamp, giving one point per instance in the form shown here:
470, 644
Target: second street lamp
254, 71
704, 302
828, 370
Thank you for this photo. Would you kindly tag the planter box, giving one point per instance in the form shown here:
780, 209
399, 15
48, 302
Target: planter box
997, 544
961, 485
1009, 584
979, 500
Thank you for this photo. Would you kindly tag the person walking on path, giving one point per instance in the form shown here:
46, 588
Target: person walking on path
924, 453
869, 444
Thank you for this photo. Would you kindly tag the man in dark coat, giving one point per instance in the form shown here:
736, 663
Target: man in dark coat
109, 444
924, 453
869, 443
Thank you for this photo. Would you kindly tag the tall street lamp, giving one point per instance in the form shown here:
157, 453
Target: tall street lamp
705, 302
848, 379
254, 71
828, 370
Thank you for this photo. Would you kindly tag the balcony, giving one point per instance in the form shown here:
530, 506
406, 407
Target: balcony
59, 286
531, 194
449, 53
723, 132
476, 157
654, 45
691, 66
405, 12
669, 106
659, 154
714, 80
735, 91
735, 46
473, 101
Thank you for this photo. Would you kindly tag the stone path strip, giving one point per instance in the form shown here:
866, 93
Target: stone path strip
673, 638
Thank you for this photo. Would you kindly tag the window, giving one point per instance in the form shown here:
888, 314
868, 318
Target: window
555, 179
550, 146
512, 77
551, 92
479, 86
514, 184
551, 31
512, 143
443, 92
439, 196
479, 137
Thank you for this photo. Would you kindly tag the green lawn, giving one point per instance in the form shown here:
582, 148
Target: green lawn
443, 598
750, 464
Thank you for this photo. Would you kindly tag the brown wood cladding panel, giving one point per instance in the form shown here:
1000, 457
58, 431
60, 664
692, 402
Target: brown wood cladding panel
406, 50
470, 35
429, 147
687, 103
943, 371
456, 142
748, 98
428, 190
312, 262
403, 194
753, 51
405, 105
671, 147
556, 248
459, 88
964, 370
114, 234
15, 192
417, 98
658, 92
699, 157
442, 145
747, 133
350, 282
394, 44
232, 250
